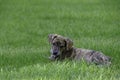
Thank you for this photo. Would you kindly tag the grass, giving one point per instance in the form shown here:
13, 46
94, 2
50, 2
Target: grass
25, 25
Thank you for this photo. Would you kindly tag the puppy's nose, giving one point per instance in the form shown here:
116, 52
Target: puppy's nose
55, 53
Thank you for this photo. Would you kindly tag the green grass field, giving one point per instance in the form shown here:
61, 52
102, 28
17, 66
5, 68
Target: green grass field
24, 29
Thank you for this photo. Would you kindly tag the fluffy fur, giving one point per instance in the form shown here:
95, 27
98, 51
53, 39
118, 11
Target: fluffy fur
62, 48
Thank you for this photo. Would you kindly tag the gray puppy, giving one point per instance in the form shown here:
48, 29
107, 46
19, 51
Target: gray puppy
62, 48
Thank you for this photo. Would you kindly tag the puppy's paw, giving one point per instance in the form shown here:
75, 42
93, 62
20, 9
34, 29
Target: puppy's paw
52, 57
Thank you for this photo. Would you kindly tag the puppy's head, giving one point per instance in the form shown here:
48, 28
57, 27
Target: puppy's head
58, 45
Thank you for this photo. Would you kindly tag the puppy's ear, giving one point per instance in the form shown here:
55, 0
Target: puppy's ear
51, 37
69, 43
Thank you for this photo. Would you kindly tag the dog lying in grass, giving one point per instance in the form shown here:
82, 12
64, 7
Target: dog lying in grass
62, 48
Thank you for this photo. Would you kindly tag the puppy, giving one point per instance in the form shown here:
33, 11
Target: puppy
62, 48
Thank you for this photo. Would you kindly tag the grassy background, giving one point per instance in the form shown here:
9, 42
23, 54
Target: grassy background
25, 25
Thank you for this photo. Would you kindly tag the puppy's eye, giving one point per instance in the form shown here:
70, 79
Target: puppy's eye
54, 43
61, 46
58, 43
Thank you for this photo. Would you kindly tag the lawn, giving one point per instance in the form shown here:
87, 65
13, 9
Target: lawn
24, 29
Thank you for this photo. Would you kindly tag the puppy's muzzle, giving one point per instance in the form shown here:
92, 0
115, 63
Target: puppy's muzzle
54, 50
